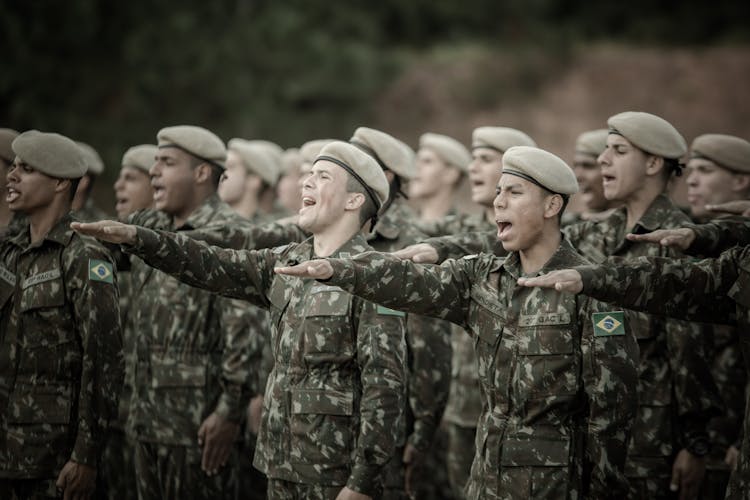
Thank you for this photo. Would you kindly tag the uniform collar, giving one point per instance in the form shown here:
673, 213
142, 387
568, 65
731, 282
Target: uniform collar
202, 215
563, 258
655, 215
388, 226
305, 251
61, 233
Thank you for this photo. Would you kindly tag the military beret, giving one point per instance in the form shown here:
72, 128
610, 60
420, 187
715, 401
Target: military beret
361, 166
6, 139
648, 132
257, 160
52, 154
290, 161
141, 157
311, 149
726, 151
389, 152
540, 167
94, 163
273, 150
196, 141
499, 138
449, 149
593, 142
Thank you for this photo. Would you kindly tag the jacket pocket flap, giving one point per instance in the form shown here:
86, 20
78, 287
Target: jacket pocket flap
172, 373
536, 451
322, 402
40, 405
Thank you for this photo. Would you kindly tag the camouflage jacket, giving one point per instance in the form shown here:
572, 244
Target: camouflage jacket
454, 223
61, 360
337, 388
193, 349
427, 339
706, 290
677, 394
559, 398
91, 213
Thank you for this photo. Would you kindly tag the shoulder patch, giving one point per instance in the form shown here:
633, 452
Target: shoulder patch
100, 270
385, 311
607, 324
50, 275
470, 257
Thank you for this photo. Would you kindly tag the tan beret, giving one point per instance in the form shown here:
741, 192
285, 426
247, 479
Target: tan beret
389, 152
648, 132
94, 163
540, 167
7, 135
499, 138
290, 161
593, 142
727, 151
141, 157
448, 149
273, 150
257, 160
359, 165
311, 149
197, 141
52, 154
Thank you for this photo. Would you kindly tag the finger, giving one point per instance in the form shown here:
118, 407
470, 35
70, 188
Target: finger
425, 257
61, 479
405, 254
204, 456
290, 270
674, 484
648, 238
202, 433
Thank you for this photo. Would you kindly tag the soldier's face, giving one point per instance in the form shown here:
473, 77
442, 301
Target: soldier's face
232, 186
709, 183
132, 192
433, 176
623, 168
484, 172
324, 197
589, 177
28, 190
173, 181
289, 192
519, 212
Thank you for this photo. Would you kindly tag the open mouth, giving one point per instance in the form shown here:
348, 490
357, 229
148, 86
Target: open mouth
12, 195
307, 202
606, 179
503, 228
159, 192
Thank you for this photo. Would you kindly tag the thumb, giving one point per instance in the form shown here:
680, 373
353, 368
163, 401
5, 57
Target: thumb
202, 433
62, 478
674, 484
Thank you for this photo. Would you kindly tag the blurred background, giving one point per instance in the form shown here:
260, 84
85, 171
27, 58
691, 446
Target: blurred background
113, 73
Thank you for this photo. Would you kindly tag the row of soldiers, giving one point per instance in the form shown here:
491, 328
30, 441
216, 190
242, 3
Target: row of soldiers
384, 377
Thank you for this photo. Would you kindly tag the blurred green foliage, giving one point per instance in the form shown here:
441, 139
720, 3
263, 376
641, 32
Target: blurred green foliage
112, 73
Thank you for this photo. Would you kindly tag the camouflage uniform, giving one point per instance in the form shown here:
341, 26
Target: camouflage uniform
705, 290
336, 391
90, 212
559, 398
676, 392
429, 357
193, 356
60, 356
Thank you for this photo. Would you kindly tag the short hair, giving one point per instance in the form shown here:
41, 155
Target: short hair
368, 210
216, 171
73, 188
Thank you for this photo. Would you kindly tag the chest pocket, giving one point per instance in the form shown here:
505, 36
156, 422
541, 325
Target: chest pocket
44, 316
486, 322
328, 328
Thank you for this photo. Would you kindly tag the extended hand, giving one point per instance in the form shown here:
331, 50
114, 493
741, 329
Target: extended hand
77, 481
349, 494
107, 230
680, 238
737, 207
216, 435
564, 280
687, 474
319, 269
421, 253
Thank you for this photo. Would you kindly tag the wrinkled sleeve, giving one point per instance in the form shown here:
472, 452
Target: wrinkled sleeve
381, 355
251, 237
610, 375
239, 274
97, 315
716, 236
459, 245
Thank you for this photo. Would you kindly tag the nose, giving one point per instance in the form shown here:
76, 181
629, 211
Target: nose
499, 201
11, 175
604, 158
473, 166
692, 179
155, 170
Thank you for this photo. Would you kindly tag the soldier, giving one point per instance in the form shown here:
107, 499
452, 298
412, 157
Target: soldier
132, 193
442, 164
248, 181
427, 340
288, 190
558, 375
7, 136
589, 145
269, 204
193, 350
61, 354
336, 391
83, 204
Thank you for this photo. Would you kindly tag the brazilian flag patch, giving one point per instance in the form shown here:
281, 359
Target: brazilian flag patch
390, 312
607, 324
100, 270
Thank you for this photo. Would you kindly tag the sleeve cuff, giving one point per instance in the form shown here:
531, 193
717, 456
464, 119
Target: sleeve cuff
364, 479
422, 436
85, 451
230, 408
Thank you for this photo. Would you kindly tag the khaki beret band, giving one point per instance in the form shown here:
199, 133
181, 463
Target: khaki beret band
696, 155
487, 146
354, 174
367, 149
162, 146
532, 180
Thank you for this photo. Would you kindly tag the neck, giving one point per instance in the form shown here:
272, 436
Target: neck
436, 206
180, 218
640, 201
537, 255
265, 200
330, 239
44, 219
247, 206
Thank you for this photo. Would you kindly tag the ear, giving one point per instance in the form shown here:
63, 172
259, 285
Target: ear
84, 183
741, 183
451, 176
553, 204
63, 185
202, 173
354, 201
654, 165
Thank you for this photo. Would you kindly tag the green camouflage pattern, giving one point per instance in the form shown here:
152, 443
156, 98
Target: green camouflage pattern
558, 401
90, 212
336, 391
61, 362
